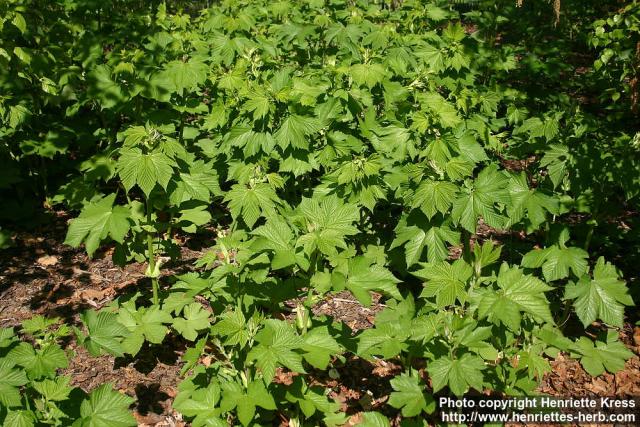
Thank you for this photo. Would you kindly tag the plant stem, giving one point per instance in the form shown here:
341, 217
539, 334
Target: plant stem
566, 312
151, 255
312, 270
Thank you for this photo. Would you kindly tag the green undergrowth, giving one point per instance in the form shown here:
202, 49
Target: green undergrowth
331, 146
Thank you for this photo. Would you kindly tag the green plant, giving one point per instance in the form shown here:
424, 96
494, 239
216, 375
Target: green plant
436, 155
33, 394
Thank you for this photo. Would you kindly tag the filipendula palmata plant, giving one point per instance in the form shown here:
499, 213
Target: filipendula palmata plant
361, 149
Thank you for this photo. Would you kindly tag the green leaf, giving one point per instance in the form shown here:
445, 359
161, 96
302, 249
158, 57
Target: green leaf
10, 379
367, 74
602, 297
277, 342
145, 170
459, 374
366, 276
328, 222
191, 219
251, 203
517, 293
387, 340
409, 396
195, 186
143, 324
194, 319
20, 418
434, 196
43, 362
528, 203
55, 390
481, 199
97, 221
447, 282
185, 75
233, 326
600, 356
429, 235
556, 261
201, 404
246, 401
276, 236
259, 105
106, 408
537, 365
294, 131
444, 111
556, 160
319, 347
19, 22
374, 419
105, 333
103, 88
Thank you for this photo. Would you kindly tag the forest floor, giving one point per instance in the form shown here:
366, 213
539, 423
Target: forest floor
40, 275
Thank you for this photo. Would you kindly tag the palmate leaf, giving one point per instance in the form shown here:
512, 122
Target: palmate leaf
365, 276
367, 74
194, 186
246, 401
319, 347
97, 221
277, 236
517, 293
38, 363
277, 342
194, 319
145, 170
298, 162
294, 131
387, 339
528, 203
328, 221
313, 399
105, 333
54, 390
557, 159
557, 260
444, 111
106, 408
434, 196
533, 359
446, 281
394, 141
20, 418
233, 326
103, 88
201, 404
459, 374
479, 199
409, 394
143, 324
433, 235
602, 297
185, 75
190, 219
609, 355
258, 104
251, 203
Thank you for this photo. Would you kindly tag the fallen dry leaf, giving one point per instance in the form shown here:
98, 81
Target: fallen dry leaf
47, 260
